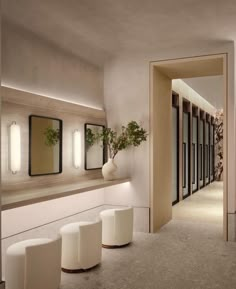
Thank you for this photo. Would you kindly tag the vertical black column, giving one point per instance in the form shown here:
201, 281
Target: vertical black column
207, 149
195, 160
175, 148
186, 149
201, 167
212, 150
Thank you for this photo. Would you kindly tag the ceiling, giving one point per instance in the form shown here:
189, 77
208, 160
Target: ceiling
191, 67
203, 74
99, 29
211, 88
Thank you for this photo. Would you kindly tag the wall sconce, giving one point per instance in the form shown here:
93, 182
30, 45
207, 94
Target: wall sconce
15, 148
77, 148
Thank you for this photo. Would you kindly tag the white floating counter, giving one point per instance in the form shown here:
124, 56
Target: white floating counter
19, 198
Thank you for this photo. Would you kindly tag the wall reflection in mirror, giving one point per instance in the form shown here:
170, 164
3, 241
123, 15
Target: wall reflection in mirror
94, 149
45, 145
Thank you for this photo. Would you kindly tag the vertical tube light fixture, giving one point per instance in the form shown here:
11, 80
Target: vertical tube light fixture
15, 148
77, 148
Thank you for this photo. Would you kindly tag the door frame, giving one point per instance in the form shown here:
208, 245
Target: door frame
160, 86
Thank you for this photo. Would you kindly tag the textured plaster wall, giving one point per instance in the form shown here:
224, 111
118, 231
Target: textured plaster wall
32, 64
187, 92
126, 93
211, 88
71, 122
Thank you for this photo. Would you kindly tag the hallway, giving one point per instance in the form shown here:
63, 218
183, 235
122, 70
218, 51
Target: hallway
187, 253
206, 205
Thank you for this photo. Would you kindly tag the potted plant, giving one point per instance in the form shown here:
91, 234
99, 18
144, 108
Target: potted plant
131, 135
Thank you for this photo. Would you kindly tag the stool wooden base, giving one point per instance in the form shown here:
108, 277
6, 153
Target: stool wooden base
74, 271
115, 246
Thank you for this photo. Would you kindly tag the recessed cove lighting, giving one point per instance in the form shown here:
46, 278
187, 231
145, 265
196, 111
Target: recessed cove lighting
52, 97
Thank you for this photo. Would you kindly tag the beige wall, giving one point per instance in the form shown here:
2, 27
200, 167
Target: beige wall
160, 156
30, 218
32, 64
72, 120
211, 88
126, 97
185, 91
126, 92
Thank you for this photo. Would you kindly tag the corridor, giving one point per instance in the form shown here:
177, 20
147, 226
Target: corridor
204, 206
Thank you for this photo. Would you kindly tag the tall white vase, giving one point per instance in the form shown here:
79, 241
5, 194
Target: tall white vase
109, 169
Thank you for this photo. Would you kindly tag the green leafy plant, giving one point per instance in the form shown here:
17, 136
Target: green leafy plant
130, 135
52, 136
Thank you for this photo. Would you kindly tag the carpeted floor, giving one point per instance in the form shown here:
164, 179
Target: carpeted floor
188, 252
205, 206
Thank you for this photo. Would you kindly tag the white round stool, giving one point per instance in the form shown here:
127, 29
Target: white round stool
34, 264
117, 227
81, 246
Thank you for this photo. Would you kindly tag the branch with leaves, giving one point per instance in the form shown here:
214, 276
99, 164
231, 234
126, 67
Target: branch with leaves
52, 136
130, 135
219, 145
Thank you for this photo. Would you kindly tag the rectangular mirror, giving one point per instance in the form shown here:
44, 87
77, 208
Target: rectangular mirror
45, 145
94, 153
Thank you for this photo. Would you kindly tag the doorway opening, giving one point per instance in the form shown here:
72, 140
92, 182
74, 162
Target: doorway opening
197, 164
201, 137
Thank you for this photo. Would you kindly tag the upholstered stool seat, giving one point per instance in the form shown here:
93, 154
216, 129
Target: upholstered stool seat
117, 227
34, 264
81, 246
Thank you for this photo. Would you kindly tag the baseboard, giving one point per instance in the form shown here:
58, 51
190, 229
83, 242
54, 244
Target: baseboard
175, 202
186, 196
2, 284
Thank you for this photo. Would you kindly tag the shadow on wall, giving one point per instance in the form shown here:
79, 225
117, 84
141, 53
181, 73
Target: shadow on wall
219, 145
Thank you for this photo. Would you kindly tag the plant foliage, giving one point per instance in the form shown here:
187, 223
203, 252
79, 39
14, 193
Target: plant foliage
52, 136
130, 135
90, 137
219, 145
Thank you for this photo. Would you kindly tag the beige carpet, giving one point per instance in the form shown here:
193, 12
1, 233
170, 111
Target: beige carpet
206, 205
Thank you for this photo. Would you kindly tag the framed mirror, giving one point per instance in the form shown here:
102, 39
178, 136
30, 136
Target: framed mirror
45, 145
94, 153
